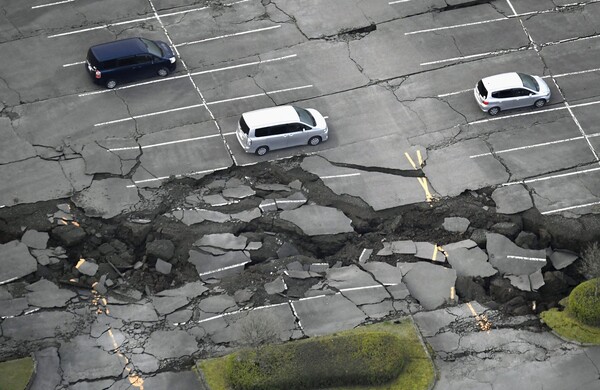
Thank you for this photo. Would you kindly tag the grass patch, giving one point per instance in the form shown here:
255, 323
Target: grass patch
563, 323
15, 374
387, 351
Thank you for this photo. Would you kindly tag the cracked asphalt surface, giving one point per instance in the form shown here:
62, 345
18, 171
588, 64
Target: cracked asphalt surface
408, 148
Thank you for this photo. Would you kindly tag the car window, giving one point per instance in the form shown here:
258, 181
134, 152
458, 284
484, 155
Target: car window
144, 58
152, 47
295, 127
305, 116
529, 82
280, 129
244, 126
507, 93
127, 61
263, 132
483, 92
523, 92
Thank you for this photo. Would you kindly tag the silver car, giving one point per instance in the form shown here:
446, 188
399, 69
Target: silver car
511, 90
280, 127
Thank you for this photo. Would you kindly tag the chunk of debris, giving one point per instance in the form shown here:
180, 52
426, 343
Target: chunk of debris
86, 267
35, 239
15, 261
456, 224
512, 199
275, 287
163, 267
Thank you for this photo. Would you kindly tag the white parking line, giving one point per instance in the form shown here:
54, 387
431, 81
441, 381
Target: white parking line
340, 176
570, 208
533, 146
398, 1
228, 35
259, 94
163, 143
455, 26
489, 53
525, 258
176, 176
197, 105
51, 4
224, 268
74, 64
138, 20
191, 74
561, 175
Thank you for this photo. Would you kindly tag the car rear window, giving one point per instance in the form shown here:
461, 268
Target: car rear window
529, 82
91, 58
482, 90
244, 126
305, 116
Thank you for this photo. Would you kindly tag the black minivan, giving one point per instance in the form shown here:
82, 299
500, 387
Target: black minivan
129, 59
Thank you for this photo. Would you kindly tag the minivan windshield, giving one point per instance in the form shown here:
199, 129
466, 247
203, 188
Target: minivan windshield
305, 116
152, 47
529, 82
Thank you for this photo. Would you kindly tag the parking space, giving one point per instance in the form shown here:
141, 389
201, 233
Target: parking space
407, 77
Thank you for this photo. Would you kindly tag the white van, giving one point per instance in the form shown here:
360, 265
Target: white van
280, 127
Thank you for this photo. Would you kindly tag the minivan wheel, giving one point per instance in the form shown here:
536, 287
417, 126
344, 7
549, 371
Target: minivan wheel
162, 72
314, 141
540, 103
493, 111
110, 84
261, 150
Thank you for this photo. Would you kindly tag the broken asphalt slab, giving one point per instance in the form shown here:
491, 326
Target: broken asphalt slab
318, 220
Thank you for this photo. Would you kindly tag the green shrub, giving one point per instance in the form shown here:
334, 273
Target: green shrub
584, 302
369, 358
15, 374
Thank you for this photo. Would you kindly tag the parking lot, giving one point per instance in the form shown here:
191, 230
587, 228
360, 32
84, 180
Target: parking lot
388, 83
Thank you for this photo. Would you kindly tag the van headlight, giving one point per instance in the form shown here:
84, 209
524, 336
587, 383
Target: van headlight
172, 59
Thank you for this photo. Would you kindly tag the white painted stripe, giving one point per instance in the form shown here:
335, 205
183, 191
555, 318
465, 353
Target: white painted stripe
101, 27
361, 288
570, 208
259, 94
163, 143
527, 181
137, 20
456, 26
528, 147
489, 53
9, 280
525, 258
511, 7
74, 64
176, 176
291, 201
454, 93
149, 114
51, 4
228, 36
339, 176
296, 315
198, 105
224, 268
230, 133
576, 73
398, 1
361, 255
185, 75
517, 115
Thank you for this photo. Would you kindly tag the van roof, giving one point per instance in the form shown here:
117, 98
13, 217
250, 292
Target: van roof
117, 49
270, 116
502, 81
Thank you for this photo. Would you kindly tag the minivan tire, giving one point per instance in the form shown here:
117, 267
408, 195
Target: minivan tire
163, 72
314, 141
494, 111
540, 103
110, 84
261, 150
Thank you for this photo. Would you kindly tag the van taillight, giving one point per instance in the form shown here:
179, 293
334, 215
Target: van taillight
485, 102
98, 74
